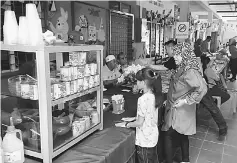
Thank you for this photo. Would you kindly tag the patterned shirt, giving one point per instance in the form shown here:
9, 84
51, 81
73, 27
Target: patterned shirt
147, 134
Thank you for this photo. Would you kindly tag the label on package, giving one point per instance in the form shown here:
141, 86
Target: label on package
12, 157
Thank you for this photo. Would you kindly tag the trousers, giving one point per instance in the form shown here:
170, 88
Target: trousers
233, 67
208, 103
147, 155
172, 137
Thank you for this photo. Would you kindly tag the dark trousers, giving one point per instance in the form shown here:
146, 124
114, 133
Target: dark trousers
233, 67
147, 155
172, 137
208, 103
216, 91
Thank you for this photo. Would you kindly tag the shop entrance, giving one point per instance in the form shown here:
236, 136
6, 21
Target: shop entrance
121, 33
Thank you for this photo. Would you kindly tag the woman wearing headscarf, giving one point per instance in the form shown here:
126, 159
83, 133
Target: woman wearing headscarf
187, 87
197, 48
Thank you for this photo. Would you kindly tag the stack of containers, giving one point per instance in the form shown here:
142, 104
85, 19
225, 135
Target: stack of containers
29, 31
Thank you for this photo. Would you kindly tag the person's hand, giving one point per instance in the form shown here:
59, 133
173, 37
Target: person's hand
180, 103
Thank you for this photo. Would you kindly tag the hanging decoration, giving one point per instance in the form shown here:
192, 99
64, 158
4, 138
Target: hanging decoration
6, 5
52, 9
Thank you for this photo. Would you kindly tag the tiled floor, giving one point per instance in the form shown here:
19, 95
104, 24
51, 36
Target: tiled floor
205, 148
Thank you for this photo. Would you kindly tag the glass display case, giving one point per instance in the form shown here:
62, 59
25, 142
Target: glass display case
55, 98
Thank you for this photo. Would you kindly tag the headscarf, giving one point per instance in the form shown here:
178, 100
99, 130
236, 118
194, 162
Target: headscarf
189, 60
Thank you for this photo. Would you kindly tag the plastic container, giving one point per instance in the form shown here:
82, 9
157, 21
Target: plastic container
13, 146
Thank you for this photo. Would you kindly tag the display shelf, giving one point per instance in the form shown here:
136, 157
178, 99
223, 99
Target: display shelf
63, 147
46, 145
68, 98
49, 49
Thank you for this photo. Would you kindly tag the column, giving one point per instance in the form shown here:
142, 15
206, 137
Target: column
184, 13
210, 20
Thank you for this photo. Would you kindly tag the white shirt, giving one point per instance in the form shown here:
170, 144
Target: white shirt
110, 75
147, 134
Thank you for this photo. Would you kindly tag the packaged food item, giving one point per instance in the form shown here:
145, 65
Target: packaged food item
71, 87
88, 122
94, 118
63, 89
72, 72
75, 72
91, 82
75, 87
52, 92
97, 80
86, 83
65, 73
93, 68
80, 71
73, 58
29, 90
82, 58
57, 91
68, 88
78, 127
80, 83
87, 70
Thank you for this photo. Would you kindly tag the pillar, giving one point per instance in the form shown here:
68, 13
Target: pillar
184, 13
210, 20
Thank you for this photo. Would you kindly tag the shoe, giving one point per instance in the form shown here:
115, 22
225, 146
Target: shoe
222, 134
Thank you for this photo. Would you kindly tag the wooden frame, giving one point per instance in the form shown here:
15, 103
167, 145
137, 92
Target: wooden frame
45, 111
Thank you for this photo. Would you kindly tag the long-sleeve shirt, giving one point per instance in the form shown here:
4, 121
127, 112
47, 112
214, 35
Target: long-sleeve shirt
204, 47
233, 51
187, 85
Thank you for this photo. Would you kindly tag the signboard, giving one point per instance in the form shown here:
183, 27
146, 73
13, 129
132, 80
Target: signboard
182, 30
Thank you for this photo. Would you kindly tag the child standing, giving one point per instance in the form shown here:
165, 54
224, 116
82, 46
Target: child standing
146, 123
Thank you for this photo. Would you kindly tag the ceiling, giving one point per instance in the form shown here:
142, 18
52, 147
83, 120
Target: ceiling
227, 10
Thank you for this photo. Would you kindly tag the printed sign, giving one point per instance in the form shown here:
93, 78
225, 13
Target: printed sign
182, 30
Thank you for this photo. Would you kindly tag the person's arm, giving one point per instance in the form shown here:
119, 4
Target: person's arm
141, 111
195, 81
223, 81
158, 67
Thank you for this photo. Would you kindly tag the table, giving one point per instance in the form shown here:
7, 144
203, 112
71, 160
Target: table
111, 145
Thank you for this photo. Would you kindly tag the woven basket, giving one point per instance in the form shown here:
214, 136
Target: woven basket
14, 84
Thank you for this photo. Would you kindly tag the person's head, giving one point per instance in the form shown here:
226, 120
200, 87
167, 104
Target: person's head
122, 60
110, 62
232, 42
208, 38
169, 47
183, 53
147, 80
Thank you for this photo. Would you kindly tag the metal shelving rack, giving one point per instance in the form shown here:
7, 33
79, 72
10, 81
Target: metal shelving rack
45, 105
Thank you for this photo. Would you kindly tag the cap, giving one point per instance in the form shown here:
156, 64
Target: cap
109, 58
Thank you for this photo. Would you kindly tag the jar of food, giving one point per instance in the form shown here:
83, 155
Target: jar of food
80, 71
65, 73
80, 83
94, 117
86, 83
75, 72
82, 58
91, 82
88, 122
87, 69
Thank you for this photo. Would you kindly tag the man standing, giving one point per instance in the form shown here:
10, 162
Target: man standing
170, 64
205, 46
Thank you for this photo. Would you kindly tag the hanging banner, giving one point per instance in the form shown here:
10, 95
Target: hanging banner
182, 30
